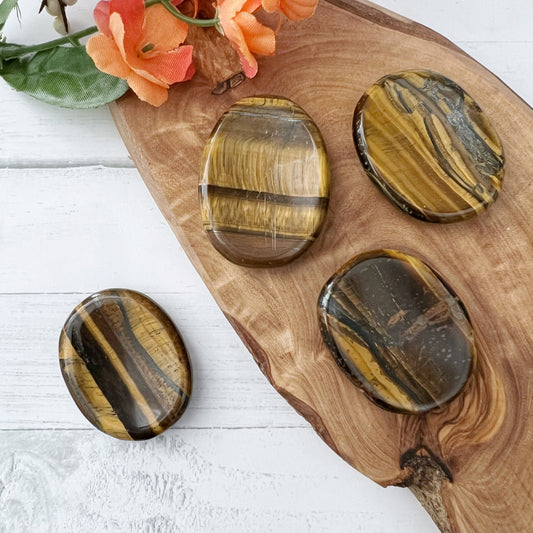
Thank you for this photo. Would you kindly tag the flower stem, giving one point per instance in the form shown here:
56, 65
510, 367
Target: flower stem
8, 51
196, 22
11, 51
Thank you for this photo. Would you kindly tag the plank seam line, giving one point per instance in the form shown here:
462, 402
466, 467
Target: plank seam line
87, 293
54, 165
173, 430
495, 42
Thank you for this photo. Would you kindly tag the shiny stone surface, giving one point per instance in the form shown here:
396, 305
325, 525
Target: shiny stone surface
264, 186
428, 146
125, 364
398, 331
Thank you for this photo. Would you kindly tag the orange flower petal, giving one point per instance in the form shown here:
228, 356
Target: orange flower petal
270, 6
162, 29
248, 63
171, 67
150, 77
297, 9
292, 9
260, 39
101, 16
129, 56
229, 8
251, 6
245, 33
131, 12
147, 91
104, 52
116, 27
234, 34
130, 29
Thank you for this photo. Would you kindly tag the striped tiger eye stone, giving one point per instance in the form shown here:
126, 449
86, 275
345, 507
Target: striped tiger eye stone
398, 331
125, 365
264, 186
428, 146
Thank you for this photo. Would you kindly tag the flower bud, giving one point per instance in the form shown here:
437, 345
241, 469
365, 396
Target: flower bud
52, 7
59, 26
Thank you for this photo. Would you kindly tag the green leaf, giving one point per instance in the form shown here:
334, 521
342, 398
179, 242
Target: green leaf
6, 6
63, 76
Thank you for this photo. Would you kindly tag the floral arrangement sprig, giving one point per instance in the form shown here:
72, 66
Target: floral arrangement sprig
142, 45
58, 9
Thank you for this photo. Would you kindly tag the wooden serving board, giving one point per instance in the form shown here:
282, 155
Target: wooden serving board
470, 463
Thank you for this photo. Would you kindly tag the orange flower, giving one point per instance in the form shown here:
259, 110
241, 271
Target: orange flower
141, 46
245, 33
292, 9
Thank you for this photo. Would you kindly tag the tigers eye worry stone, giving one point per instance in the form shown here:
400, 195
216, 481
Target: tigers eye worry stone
398, 331
428, 146
264, 186
125, 365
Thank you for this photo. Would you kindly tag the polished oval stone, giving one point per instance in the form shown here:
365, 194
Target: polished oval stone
397, 330
264, 186
428, 146
125, 364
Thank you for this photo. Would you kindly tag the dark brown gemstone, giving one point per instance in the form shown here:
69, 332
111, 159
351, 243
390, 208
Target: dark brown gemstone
397, 329
125, 364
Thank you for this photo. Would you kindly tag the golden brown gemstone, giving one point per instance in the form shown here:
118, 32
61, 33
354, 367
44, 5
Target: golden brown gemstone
398, 331
428, 146
125, 364
264, 186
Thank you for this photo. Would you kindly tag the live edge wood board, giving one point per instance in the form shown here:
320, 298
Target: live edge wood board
471, 462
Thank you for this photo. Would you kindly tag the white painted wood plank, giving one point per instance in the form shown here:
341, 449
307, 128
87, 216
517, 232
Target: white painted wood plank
37, 134
192, 481
470, 20
84, 229
512, 62
228, 387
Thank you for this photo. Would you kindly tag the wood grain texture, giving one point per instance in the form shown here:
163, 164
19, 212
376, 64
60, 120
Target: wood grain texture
488, 260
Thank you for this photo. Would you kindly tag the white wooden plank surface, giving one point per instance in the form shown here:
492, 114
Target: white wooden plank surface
74, 218
188, 481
